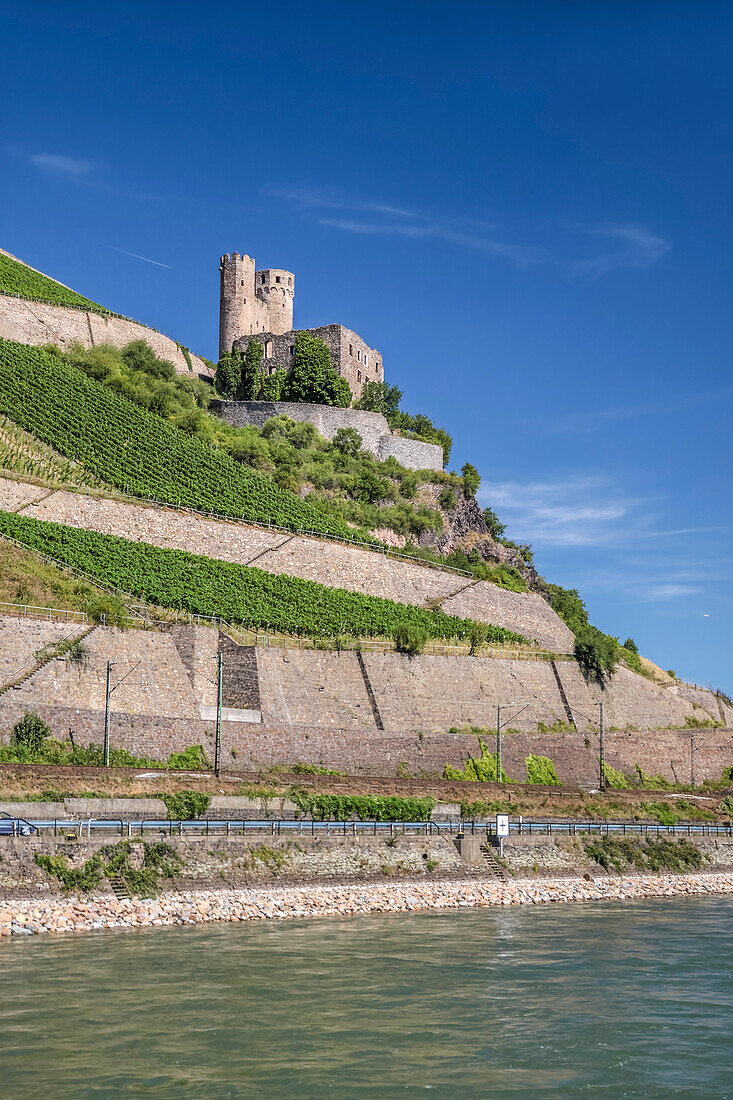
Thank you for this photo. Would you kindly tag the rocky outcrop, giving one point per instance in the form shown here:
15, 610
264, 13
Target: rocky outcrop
464, 528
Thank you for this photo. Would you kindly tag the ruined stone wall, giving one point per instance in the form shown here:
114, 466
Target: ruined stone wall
329, 563
39, 323
373, 428
351, 356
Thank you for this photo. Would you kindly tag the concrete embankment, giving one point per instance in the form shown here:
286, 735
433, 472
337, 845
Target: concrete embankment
203, 907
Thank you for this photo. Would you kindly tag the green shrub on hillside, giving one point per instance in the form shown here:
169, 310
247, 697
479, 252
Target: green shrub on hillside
482, 769
540, 769
596, 653
16, 278
238, 593
314, 379
338, 807
410, 640
615, 779
186, 805
29, 734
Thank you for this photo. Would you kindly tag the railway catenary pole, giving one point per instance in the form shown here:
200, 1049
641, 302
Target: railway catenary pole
602, 749
219, 694
106, 714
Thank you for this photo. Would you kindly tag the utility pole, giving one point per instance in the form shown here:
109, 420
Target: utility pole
498, 744
106, 715
602, 752
219, 694
692, 759
107, 693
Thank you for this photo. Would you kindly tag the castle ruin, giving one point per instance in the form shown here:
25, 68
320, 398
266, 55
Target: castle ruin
259, 305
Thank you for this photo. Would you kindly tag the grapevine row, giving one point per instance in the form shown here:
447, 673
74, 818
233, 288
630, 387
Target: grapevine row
19, 279
182, 581
137, 451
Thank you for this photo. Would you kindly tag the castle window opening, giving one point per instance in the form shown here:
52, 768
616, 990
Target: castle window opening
242, 283
358, 356
351, 350
277, 278
290, 282
366, 360
292, 349
268, 349
358, 376
262, 278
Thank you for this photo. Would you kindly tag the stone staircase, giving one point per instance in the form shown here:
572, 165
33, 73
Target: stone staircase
44, 657
119, 888
491, 864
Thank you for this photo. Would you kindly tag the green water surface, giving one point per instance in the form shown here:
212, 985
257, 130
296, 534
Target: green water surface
600, 1000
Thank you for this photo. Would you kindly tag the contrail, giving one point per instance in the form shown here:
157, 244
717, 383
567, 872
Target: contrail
135, 255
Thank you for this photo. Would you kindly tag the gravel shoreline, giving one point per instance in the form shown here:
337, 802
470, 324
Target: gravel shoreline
29, 917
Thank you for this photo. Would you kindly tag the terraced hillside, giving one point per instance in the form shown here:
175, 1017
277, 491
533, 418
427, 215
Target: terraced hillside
332, 564
36, 309
240, 594
137, 451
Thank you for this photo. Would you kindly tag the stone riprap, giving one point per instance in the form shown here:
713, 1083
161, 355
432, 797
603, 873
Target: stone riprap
329, 563
29, 322
33, 917
375, 432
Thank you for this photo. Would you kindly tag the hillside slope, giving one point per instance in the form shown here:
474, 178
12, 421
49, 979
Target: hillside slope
35, 309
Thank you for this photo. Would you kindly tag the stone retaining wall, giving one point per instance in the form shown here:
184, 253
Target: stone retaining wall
40, 323
330, 563
375, 432
363, 751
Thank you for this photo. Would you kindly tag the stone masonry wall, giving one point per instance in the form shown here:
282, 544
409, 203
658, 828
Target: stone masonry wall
316, 707
385, 752
40, 323
372, 427
329, 563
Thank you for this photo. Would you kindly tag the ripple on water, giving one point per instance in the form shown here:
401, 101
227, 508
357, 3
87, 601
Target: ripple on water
615, 1000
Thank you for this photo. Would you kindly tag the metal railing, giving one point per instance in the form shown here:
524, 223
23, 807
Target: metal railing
52, 614
302, 827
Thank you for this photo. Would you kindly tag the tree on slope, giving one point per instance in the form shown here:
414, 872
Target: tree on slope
314, 377
250, 381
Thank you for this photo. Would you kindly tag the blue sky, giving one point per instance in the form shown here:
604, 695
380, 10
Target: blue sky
525, 207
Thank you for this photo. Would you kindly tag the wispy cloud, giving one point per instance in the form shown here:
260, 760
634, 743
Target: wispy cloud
636, 246
574, 511
314, 200
633, 245
135, 255
656, 592
397, 221
521, 255
577, 511
61, 165
593, 419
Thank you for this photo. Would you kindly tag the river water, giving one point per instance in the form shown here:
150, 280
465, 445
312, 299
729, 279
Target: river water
612, 1000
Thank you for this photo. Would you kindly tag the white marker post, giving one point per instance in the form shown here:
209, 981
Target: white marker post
502, 830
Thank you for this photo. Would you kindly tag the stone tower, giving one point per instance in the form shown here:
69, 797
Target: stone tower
236, 300
277, 290
252, 302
